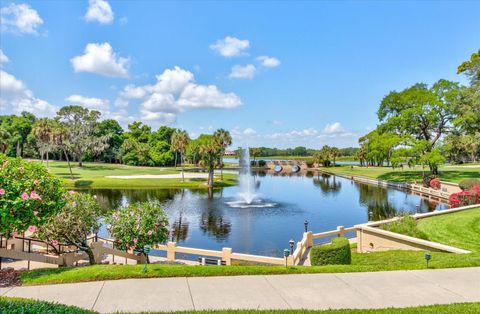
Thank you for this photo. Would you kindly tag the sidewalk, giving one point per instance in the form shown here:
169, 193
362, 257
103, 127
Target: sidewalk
308, 291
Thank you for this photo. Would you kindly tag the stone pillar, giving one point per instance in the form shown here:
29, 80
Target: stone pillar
359, 240
171, 255
341, 231
227, 255
309, 236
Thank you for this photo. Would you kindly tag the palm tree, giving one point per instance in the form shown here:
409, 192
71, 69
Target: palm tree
334, 152
44, 132
224, 139
4, 140
61, 138
254, 154
180, 140
210, 154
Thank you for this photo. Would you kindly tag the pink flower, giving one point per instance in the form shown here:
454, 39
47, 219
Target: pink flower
35, 213
135, 241
34, 195
2, 191
32, 229
71, 192
54, 242
150, 232
24, 196
14, 234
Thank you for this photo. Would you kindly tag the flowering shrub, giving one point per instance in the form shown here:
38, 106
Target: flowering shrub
435, 184
138, 225
465, 198
29, 195
77, 220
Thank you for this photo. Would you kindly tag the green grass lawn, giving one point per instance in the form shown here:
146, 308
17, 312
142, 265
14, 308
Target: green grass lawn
447, 173
94, 175
459, 229
25, 306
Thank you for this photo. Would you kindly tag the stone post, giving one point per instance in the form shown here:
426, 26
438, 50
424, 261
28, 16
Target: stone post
359, 240
171, 255
227, 255
309, 236
341, 231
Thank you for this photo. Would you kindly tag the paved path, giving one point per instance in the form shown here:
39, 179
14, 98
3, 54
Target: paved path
309, 291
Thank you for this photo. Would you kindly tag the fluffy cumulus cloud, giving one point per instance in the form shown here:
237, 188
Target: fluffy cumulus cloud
20, 18
334, 128
174, 91
99, 11
269, 62
100, 59
15, 97
3, 57
247, 71
230, 46
89, 102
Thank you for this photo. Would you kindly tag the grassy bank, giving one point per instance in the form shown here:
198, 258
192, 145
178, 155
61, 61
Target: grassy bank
459, 229
18, 305
447, 173
95, 175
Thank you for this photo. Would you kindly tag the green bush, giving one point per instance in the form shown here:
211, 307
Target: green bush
262, 163
406, 225
337, 252
24, 306
467, 184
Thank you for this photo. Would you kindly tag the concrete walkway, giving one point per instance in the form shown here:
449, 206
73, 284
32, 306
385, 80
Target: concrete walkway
309, 291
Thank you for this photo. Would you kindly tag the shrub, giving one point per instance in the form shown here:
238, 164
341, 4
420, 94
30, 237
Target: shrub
24, 306
435, 184
73, 224
467, 184
138, 225
465, 198
337, 252
427, 179
29, 195
262, 163
406, 225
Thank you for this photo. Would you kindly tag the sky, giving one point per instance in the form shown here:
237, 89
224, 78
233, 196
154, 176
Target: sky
276, 74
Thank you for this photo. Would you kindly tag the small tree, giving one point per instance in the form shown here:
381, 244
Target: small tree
72, 225
138, 225
29, 195
180, 140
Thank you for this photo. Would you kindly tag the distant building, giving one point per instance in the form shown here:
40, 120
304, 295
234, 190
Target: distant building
230, 153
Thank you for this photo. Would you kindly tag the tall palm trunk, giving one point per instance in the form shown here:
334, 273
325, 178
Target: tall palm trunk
183, 171
221, 168
210, 176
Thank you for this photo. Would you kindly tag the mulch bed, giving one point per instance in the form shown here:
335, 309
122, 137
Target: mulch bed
10, 277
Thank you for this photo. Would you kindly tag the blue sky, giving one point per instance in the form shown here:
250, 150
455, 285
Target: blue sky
273, 73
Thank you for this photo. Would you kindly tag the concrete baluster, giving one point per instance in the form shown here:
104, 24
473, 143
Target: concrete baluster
227, 255
171, 254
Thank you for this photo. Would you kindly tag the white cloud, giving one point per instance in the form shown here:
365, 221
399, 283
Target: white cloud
3, 57
174, 92
19, 18
89, 102
249, 132
99, 11
230, 46
334, 128
268, 62
247, 71
100, 59
16, 97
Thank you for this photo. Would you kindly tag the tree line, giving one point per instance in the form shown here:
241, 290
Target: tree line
427, 125
77, 134
297, 151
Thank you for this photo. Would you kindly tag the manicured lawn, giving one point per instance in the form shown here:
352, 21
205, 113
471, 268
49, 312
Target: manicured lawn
447, 173
461, 229
25, 306
94, 175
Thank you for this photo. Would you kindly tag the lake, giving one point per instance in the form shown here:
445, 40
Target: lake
325, 201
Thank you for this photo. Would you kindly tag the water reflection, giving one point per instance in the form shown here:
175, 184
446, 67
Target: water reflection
200, 220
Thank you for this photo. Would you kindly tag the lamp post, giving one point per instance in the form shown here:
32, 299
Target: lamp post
428, 257
291, 242
146, 251
286, 254
305, 224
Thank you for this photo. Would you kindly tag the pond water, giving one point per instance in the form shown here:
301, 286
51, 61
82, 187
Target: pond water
325, 201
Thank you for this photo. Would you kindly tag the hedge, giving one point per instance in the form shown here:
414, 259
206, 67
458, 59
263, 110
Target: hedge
467, 184
25, 306
337, 252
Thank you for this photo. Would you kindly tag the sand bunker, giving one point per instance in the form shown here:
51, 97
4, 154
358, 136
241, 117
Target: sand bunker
163, 176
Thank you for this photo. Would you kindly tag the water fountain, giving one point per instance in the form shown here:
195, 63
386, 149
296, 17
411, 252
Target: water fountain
248, 196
